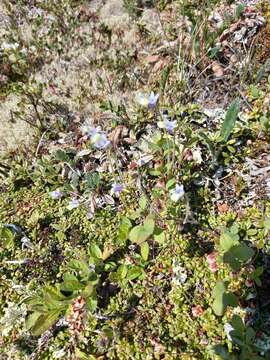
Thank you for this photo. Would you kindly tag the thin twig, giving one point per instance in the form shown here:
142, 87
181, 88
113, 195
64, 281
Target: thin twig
40, 142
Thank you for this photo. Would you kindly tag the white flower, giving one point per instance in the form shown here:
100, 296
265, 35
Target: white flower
26, 243
149, 101
180, 274
197, 156
227, 329
56, 194
35, 12
177, 193
100, 141
58, 354
73, 204
7, 46
117, 189
180, 277
142, 99
14, 315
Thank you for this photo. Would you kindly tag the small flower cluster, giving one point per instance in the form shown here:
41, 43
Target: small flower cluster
116, 190
197, 311
9, 46
211, 259
150, 101
77, 315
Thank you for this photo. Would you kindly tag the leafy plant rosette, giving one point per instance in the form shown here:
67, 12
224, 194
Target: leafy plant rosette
237, 254
52, 302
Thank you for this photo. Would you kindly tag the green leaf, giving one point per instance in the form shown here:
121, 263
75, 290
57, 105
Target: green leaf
208, 142
124, 228
31, 319
154, 172
122, 272
44, 322
159, 236
71, 283
92, 180
170, 183
149, 225
80, 355
145, 251
239, 10
61, 155
139, 234
262, 72
88, 290
80, 267
228, 240
91, 303
229, 121
230, 299
243, 252
238, 325
53, 292
238, 255
7, 237
222, 299
143, 203
33, 300
218, 293
250, 335
256, 274
267, 223
95, 251
255, 92
234, 229
52, 304
134, 272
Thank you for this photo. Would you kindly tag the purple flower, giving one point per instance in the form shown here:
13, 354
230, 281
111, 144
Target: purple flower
177, 193
73, 204
152, 100
147, 101
170, 125
98, 138
117, 189
100, 141
56, 194
167, 124
88, 130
